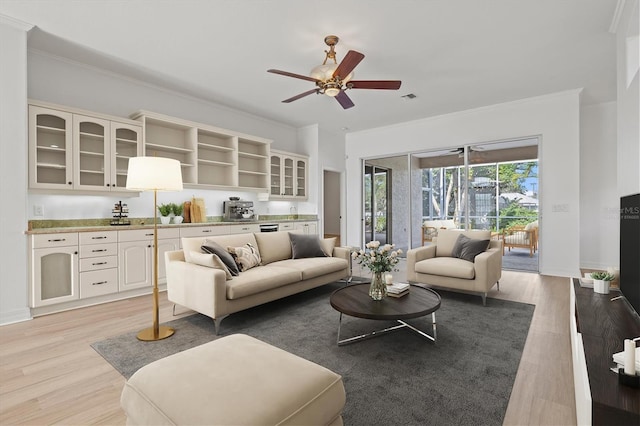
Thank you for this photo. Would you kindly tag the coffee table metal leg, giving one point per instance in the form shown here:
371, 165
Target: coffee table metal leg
396, 327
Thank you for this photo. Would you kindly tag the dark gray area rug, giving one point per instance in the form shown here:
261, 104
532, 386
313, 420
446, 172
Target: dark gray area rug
399, 378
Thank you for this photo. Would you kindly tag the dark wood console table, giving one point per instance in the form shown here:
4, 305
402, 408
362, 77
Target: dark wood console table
604, 324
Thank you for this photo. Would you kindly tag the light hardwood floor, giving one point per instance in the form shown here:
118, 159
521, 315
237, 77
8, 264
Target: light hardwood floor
50, 375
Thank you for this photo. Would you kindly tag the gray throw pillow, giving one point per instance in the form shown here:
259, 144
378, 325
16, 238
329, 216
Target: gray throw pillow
467, 248
214, 248
303, 246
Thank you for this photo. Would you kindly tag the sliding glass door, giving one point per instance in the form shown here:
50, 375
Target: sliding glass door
377, 203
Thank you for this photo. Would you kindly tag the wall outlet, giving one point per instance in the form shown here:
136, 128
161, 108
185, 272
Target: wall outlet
38, 210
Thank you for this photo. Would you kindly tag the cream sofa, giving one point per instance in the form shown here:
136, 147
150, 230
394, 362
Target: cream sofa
208, 291
435, 266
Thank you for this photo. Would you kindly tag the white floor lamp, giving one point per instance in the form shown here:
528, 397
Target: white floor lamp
154, 174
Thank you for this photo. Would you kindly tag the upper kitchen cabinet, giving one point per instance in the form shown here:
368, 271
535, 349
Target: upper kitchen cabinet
76, 150
288, 176
210, 157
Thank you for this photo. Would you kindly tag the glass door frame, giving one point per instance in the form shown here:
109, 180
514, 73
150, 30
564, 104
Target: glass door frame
388, 216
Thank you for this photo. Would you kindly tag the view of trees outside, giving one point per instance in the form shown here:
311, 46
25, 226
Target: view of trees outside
498, 194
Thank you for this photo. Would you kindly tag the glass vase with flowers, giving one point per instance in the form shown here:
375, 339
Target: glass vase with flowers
379, 259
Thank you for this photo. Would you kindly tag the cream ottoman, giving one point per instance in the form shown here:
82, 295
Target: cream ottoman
235, 380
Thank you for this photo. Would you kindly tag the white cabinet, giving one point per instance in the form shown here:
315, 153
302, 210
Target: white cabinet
78, 151
98, 263
135, 256
54, 259
306, 227
204, 231
209, 156
244, 228
288, 176
50, 148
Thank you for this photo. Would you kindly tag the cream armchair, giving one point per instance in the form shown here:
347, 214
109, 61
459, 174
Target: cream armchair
435, 264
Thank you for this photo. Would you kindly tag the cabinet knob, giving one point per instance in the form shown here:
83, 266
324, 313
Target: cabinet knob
99, 283
149, 246
107, 184
70, 183
114, 185
102, 237
75, 252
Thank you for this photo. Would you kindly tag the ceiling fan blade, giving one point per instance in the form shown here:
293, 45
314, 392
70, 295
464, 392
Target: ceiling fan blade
290, 74
301, 95
375, 84
347, 65
344, 100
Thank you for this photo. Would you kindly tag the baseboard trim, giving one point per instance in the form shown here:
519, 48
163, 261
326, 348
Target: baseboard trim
17, 315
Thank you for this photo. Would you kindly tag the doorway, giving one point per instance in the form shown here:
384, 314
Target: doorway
377, 204
331, 205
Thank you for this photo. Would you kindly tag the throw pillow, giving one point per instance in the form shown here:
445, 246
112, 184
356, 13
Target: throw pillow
467, 248
303, 246
210, 261
246, 257
328, 244
215, 248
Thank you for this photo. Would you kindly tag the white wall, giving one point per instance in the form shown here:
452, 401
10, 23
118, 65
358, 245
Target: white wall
554, 117
13, 169
628, 101
599, 201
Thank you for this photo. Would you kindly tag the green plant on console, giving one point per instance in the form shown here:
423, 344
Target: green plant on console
603, 276
165, 209
177, 209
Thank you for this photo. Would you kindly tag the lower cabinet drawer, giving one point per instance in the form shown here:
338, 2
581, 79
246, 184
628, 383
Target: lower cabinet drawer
97, 283
96, 263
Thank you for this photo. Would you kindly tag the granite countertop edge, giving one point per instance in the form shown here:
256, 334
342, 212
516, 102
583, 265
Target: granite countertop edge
93, 228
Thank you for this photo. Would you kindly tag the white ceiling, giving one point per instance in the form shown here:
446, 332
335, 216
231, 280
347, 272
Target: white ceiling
452, 54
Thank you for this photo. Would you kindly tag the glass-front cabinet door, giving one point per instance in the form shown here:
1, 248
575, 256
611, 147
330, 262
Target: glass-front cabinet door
288, 179
276, 176
301, 178
91, 154
50, 148
55, 275
126, 142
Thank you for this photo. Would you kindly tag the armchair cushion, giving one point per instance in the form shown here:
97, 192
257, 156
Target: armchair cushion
467, 248
447, 267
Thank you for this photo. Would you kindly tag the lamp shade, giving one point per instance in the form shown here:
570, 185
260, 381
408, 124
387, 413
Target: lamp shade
154, 173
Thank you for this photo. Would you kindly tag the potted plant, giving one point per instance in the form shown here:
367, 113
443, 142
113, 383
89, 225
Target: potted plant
165, 211
602, 281
177, 212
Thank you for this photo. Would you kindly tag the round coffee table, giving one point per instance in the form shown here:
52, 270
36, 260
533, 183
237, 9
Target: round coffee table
354, 300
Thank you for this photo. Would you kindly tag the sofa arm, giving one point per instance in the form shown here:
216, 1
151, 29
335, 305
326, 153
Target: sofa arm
488, 267
196, 287
416, 255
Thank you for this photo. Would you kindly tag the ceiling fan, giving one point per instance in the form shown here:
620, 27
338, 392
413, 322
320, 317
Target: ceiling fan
334, 80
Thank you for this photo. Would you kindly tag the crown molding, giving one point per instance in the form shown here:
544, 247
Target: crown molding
16, 23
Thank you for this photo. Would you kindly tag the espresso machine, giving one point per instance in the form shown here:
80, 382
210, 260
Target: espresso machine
238, 211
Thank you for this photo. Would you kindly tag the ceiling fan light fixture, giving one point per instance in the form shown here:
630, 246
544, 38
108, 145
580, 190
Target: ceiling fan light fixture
332, 91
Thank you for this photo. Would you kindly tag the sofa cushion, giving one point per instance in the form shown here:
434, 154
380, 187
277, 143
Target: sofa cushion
447, 267
273, 246
210, 261
259, 279
314, 266
303, 246
447, 239
467, 248
328, 244
212, 247
246, 257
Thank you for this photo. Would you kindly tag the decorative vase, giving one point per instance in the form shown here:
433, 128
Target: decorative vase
601, 286
165, 220
177, 219
378, 288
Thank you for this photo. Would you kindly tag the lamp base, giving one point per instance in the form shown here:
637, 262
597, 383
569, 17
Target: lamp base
148, 334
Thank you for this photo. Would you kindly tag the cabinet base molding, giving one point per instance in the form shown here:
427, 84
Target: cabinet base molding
82, 303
